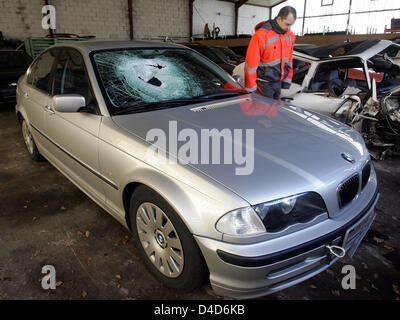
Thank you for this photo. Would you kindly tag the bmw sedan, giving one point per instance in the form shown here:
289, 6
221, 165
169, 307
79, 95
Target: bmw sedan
215, 184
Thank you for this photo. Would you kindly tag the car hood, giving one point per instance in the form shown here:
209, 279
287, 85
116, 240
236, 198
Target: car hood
294, 150
317, 102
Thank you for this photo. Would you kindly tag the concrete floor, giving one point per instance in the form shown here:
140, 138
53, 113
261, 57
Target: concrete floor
46, 220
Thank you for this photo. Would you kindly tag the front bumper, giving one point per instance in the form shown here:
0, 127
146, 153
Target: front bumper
247, 277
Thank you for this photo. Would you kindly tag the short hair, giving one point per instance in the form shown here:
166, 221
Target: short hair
285, 11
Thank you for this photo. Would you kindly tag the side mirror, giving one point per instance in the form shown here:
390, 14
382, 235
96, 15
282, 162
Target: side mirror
68, 102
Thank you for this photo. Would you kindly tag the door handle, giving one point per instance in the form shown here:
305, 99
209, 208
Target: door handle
49, 109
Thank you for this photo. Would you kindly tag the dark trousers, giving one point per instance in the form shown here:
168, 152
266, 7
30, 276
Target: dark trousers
271, 89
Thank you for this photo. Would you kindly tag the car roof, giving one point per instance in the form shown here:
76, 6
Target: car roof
298, 54
193, 44
94, 45
362, 49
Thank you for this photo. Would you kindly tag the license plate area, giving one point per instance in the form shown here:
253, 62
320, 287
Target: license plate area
357, 232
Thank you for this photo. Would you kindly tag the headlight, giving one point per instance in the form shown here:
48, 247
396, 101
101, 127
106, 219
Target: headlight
240, 222
279, 214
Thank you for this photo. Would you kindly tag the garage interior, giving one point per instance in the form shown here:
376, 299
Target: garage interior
46, 220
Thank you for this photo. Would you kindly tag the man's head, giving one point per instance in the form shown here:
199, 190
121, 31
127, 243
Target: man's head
286, 18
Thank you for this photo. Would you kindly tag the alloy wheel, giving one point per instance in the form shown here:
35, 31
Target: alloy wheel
159, 240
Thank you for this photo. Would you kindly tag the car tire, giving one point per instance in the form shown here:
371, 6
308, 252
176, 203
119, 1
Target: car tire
165, 244
30, 144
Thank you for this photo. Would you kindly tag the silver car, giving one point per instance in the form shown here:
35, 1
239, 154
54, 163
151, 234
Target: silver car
251, 193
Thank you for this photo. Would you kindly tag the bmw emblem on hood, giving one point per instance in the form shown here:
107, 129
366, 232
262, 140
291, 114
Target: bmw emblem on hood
347, 157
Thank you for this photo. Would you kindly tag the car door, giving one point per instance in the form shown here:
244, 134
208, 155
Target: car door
74, 135
36, 95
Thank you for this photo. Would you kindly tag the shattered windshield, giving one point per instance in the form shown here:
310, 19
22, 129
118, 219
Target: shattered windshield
140, 77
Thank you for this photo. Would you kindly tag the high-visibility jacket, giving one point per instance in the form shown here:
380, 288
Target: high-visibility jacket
269, 57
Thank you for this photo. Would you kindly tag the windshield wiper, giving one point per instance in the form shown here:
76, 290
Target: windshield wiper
225, 94
152, 106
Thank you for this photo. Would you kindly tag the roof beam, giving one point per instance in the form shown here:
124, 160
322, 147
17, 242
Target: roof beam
191, 19
238, 4
276, 4
130, 14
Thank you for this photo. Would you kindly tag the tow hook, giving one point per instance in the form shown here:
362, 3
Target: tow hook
337, 251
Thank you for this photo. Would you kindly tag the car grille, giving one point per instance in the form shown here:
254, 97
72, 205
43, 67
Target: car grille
348, 190
365, 174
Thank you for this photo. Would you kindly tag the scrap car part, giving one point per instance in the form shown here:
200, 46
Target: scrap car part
347, 110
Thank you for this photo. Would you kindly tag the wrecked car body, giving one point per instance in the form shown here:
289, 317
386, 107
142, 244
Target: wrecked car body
351, 82
379, 123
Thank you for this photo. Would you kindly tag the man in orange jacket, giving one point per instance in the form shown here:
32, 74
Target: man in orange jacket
269, 57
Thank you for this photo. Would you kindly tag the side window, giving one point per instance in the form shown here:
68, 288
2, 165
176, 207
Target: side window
70, 75
40, 74
300, 70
